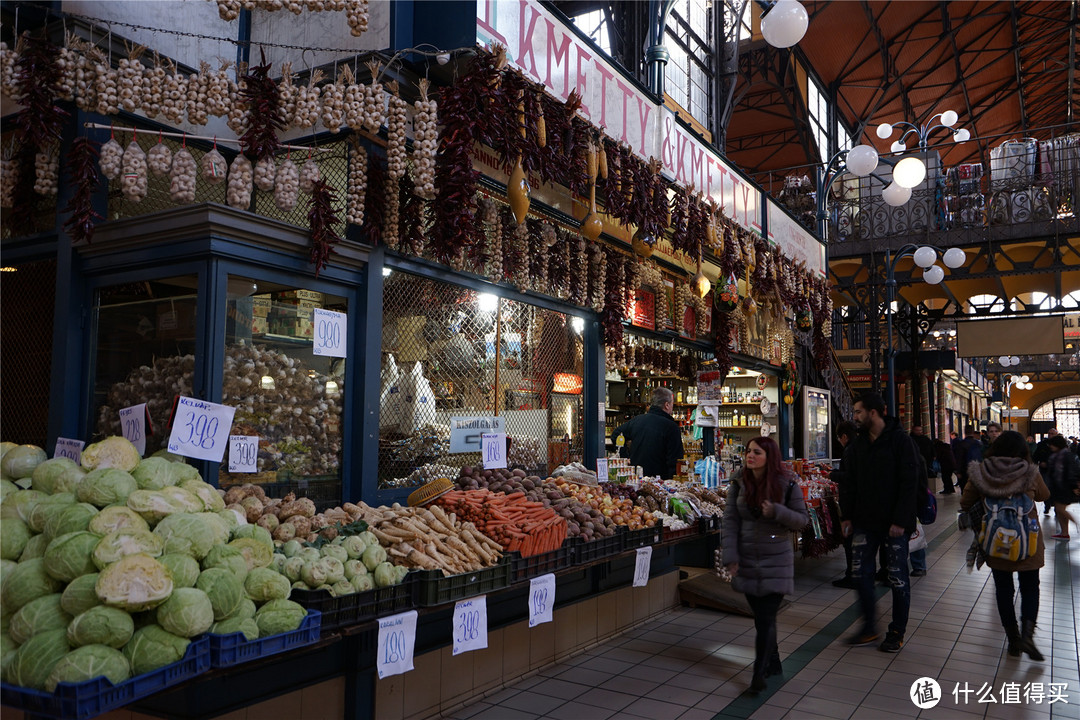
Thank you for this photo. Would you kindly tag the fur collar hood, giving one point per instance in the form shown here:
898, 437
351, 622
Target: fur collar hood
1003, 476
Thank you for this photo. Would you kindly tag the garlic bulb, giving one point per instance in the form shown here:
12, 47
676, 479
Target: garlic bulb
294, 6
174, 95
308, 103
47, 171
391, 214
333, 101
373, 100
8, 86
214, 167
309, 175
287, 186
133, 180
67, 62
86, 79
238, 194
357, 190
106, 85
217, 91
154, 88
239, 106
159, 159
425, 142
228, 10
111, 159
182, 177
396, 152
357, 15
198, 95
265, 172
9, 176
287, 96
130, 79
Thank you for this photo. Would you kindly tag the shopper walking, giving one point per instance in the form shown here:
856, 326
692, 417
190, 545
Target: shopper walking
967, 451
845, 433
764, 504
878, 506
655, 438
925, 446
1041, 457
948, 466
1006, 472
1062, 478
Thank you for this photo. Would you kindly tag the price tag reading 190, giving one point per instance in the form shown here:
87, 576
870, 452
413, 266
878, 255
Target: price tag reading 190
243, 453
330, 332
200, 429
641, 566
397, 640
133, 426
541, 599
470, 624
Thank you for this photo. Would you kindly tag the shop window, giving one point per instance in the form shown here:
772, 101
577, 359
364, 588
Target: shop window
1064, 412
818, 106
689, 72
27, 294
285, 394
451, 354
595, 24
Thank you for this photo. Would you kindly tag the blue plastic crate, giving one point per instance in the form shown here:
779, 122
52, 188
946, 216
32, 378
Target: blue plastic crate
233, 649
94, 697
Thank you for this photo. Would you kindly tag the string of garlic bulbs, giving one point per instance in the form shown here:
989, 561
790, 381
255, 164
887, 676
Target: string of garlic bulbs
154, 88
287, 186
217, 91
133, 180
495, 247
287, 96
265, 172
239, 106
425, 142
357, 188
159, 159
86, 77
238, 193
8, 57
111, 159
9, 176
295, 6
107, 87
354, 103
130, 78
308, 103
391, 216
373, 100
174, 95
357, 14
198, 95
396, 152
47, 170
213, 167
67, 62
228, 10
333, 101
182, 177
309, 175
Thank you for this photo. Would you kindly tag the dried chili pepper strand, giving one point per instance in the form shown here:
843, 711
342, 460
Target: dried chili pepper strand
83, 172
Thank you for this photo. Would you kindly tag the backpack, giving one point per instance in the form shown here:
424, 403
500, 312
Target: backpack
1007, 532
927, 507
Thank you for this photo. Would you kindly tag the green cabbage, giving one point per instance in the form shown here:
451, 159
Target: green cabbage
101, 625
256, 553
229, 558
68, 480
14, 534
154, 505
292, 548
264, 584
112, 452
186, 613
233, 519
5, 446
20, 462
224, 589
73, 518
35, 660
182, 472
192, 533
27, 582
38, 616
207, 493
19, 504
46, 507
136, 582
116, 517
278, 616
47, 473
7, 488
35, 548
6, 566
80, 595
248, 626
105, 486
245, 611
171, 457
255, 532
71, 555
88, 662
151, 647
122, 543
153, 473
183, 569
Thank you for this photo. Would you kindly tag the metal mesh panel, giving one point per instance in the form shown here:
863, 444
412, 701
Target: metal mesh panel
41, 215
26, 325
451, 352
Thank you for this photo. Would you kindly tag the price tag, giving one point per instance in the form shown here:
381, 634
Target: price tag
71, 449
470, 624
601, 469
601, 411
243, 453
493, 450
397, 639
329, 336
133, 426
641, 566
541, 599
200, 429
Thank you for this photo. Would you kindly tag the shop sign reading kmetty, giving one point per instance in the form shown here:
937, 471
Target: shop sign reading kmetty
538, 43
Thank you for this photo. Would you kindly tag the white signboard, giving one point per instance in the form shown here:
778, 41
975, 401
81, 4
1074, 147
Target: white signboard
798, 243
470, 624
71, 449
641, 566
397, 640
465, 432
1022, 412
330, 334
243, 453
200, 429
493, 450
133, 426
601, 411
541, 599
601, 469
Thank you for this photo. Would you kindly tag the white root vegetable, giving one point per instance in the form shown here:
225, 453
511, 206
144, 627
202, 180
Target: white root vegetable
239, 106
396, 152
111, 159
8, 85
265, 171
425, 142
106, 87
287, 186
159, 159
67, 62
228, 10
182, 177
238, 194
309, 175
217, 91
86, 77
391, 219
133, 180
357, 190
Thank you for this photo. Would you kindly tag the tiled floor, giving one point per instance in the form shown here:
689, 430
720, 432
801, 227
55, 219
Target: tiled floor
695, 664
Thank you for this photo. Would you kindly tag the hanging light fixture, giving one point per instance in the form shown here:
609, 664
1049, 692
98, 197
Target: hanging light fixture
934, 275
862, 160
909, 172
784, 24
954, 258
925, 256
895, 195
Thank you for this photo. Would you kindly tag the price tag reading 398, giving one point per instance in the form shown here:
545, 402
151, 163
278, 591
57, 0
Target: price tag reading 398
200, 429
541, 599
243, 453
397, 640
470, 624
330, 332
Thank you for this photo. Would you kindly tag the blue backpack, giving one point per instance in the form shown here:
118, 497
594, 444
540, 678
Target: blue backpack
1007, 532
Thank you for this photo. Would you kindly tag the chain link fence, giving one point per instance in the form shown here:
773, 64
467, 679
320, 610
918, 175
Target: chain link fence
26, 324
451, 352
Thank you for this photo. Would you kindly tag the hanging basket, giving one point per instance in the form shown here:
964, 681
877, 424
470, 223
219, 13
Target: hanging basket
726, 295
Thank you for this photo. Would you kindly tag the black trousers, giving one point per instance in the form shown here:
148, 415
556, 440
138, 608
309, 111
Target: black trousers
1004, 590
765, 608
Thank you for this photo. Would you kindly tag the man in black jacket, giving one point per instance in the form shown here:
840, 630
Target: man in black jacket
845, 434
924, 445
877, 502
655, 438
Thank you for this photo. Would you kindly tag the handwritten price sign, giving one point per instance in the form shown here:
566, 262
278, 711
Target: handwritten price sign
601, 469
330, 336
200, 429
470, 624
541, 599
397, 640
133, 426
243, 453
641, 566
493, 450
71, 449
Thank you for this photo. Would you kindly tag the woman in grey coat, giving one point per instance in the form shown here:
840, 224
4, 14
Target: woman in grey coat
764, 504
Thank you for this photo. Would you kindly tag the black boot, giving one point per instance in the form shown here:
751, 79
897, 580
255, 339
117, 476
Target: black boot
757, 683
1027, 641
773, 667
1013, 633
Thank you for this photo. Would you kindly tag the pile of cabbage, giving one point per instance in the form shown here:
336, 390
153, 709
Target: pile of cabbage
349, 564
110, 568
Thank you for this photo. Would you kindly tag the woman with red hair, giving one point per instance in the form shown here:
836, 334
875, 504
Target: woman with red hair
764, 504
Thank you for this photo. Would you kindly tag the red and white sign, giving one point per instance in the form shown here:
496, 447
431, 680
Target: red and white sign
795, 240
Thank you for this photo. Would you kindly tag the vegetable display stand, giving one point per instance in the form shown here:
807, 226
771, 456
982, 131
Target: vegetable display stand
434, 589
94, 697
346, 610
597, 549
634, 539
712, 523
686, 532
530, 567
233, 649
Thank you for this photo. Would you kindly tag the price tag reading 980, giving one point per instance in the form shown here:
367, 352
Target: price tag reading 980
330, 333
243, 453
541, 599
397, 640
470, 624
200, 429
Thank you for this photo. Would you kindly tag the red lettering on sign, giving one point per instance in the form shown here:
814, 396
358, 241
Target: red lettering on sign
710, 163
697, 157
487, 21
666, 149
604, 77
558, 53
581, 78
643, 109
627, 93
525, 38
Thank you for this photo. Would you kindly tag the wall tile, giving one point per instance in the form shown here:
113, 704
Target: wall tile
423, 685
565, 621
586, 621
390, 697
323, 701
541, 644
457, 676
516, 656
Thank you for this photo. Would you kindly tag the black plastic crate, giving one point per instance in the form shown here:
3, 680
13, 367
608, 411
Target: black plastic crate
712, 523
346, 610
634, 539
234, 648
695, 530
434, 589
597, 549
530, 567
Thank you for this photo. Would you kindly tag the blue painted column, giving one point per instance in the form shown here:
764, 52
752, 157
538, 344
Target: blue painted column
593, 393
362, 480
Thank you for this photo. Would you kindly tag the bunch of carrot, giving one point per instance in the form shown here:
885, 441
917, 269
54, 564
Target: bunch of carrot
516, 523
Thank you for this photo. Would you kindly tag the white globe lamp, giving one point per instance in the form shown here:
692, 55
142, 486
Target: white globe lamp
784, 24
961, 135
954, 258
909, 172
884, 130
949, 118
1004, 360
1024, 379
925, 256
895, 195
897, 147
934, 275
1014, 360
862, 159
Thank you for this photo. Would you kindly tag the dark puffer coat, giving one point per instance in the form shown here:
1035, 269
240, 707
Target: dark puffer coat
999, 477
762, 546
